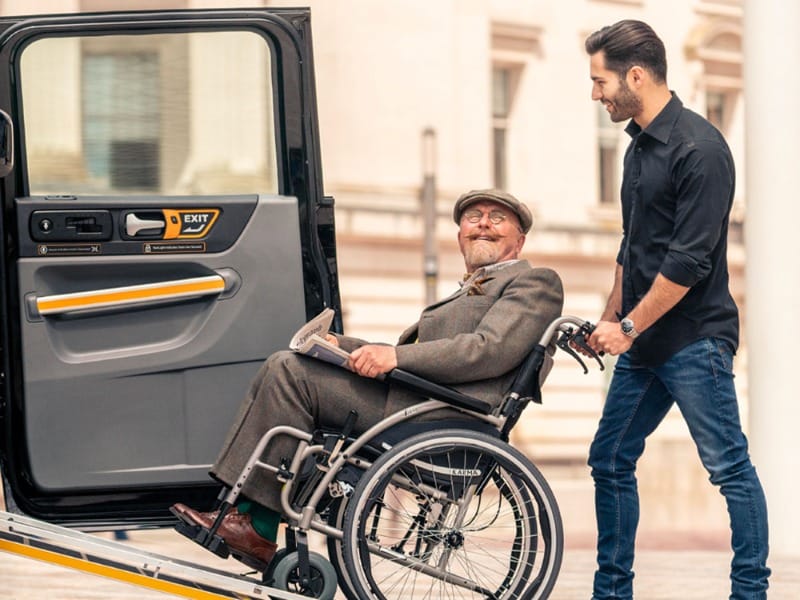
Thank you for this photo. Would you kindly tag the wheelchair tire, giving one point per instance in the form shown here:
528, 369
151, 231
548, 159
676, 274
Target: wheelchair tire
335, 551
286, 576
280, 554
452, 514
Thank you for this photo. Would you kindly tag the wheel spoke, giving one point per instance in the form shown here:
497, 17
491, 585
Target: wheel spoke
452, 516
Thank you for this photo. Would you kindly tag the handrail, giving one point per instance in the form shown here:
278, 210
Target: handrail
146, 293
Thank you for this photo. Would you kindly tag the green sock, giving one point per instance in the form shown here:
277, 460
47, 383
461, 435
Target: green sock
264, 520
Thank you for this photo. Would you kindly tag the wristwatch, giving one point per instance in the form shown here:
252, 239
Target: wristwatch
628, 328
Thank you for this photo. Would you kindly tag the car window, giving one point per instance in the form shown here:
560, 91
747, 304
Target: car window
169, 114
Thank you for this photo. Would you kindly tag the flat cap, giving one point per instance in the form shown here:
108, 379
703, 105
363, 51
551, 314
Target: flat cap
523, 213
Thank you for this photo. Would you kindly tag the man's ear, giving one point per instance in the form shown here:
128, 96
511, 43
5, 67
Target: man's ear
636, 76
520, 243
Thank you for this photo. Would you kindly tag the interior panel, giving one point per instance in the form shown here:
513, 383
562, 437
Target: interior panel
168, 374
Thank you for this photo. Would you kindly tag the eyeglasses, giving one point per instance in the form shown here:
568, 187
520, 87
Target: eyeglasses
474, 216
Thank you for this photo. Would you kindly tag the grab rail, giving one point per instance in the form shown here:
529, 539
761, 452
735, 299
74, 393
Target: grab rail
146, 293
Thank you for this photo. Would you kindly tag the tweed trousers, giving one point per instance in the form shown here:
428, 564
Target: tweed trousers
298, 391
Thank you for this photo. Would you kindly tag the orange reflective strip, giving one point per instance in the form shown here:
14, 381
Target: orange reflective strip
111, 572
127, 295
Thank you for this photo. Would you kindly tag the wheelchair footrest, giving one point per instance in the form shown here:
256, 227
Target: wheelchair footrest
203, 536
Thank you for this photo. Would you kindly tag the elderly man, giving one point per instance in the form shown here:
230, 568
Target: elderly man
473, 340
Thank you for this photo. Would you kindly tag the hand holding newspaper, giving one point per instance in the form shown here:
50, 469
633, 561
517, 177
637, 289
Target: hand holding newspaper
310, 340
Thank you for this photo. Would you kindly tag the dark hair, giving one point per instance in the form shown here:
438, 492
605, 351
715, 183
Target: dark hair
629, 43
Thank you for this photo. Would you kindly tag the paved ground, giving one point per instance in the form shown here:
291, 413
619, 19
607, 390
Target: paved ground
662, 573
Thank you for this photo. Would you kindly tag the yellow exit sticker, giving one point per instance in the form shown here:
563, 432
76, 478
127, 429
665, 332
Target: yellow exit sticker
187, 223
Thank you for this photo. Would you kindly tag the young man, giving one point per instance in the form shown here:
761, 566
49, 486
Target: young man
473, 340
670, 315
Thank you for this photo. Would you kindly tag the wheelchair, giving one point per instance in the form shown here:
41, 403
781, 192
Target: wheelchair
432, 509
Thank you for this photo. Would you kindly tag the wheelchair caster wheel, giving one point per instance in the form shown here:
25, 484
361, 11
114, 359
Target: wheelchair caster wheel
267, 577
322, 581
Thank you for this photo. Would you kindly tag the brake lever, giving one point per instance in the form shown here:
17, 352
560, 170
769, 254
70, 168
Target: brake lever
578, 337
563, 342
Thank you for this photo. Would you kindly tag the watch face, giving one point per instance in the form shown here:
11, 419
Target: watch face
628, 328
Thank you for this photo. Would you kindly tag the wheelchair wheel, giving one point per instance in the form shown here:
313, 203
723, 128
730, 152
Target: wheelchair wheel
335, 550
452, 514
322, 583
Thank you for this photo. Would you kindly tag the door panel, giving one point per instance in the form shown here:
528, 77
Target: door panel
135, 395
165, 231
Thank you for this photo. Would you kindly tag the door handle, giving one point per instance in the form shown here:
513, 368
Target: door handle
135, 225
143, 294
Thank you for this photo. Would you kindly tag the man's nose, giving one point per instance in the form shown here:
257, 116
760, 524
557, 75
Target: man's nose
596, 94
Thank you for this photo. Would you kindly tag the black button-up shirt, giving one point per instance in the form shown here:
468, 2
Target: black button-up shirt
677, 192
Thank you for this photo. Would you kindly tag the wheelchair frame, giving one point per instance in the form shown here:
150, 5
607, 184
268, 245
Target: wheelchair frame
304, 572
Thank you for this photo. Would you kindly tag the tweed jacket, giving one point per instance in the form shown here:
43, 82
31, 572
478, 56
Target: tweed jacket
475, 339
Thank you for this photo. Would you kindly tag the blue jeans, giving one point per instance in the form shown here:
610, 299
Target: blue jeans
699, 378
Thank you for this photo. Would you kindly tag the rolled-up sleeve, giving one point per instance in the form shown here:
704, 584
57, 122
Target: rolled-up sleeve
704, 180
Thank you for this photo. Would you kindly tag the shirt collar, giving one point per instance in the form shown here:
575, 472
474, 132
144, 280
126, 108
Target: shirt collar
484, 271
661, 127
497, 266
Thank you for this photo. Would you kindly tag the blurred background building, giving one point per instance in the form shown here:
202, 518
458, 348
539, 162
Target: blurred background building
420, 101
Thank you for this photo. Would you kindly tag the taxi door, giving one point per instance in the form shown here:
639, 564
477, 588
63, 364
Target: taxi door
163, 230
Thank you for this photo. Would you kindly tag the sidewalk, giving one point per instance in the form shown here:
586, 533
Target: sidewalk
662, 574
675, 575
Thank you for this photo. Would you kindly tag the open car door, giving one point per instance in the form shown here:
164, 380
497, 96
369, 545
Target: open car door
164, 230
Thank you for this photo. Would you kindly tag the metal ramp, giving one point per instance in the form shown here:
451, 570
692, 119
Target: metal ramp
65, 547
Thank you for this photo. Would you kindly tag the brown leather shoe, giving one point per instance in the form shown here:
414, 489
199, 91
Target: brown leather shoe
244, 543
195, 517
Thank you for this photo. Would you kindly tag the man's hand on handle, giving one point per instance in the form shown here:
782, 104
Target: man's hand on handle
608, 337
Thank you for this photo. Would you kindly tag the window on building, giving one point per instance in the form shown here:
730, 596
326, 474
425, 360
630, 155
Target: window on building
716, 45
608, 134
121, 132
501, 109
718, 48
514, 47
715, 108
720, 105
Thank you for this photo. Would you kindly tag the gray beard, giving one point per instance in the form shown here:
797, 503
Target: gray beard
481, 255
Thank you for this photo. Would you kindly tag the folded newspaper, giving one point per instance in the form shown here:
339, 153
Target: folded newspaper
310, 340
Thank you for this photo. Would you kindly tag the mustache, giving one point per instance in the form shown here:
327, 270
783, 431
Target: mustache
479, 235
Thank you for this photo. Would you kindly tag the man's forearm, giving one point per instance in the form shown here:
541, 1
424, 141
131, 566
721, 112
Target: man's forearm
662, 296
614, 303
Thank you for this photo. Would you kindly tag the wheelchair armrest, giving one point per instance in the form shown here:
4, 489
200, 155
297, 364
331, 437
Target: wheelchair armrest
526, 384
436, 391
